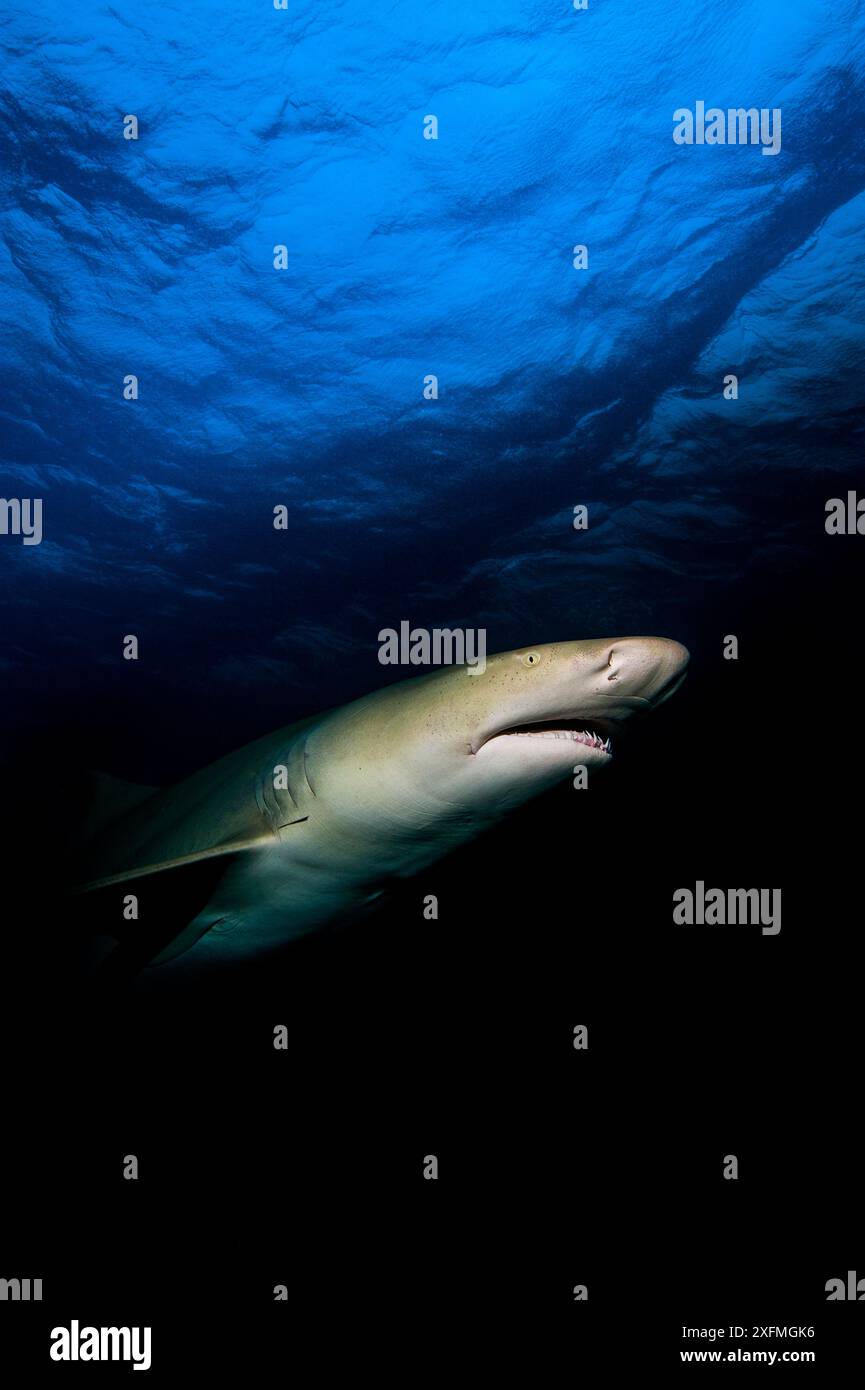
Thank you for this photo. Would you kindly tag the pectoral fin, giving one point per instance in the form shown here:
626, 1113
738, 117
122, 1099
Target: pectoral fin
154, 913
145, 870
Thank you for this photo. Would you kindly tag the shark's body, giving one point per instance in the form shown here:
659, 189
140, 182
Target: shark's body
312, 822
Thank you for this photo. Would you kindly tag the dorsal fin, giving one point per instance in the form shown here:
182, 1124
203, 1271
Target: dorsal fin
106, 799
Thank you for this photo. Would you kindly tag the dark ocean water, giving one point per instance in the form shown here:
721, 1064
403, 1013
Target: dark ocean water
557, 387
406, 257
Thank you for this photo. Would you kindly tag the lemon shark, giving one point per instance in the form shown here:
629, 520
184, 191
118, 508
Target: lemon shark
311, 823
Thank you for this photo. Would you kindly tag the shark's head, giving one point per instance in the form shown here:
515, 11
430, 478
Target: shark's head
462, 743
543, 711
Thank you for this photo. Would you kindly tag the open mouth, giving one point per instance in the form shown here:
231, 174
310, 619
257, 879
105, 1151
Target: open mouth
596, 737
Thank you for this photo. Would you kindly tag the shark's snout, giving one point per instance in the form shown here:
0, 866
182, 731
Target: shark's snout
578, 693
644, 668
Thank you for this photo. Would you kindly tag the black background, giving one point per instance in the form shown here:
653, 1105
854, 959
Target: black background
407, 1037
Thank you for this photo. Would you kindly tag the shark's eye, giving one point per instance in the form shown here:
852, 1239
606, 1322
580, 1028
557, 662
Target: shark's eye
531, 658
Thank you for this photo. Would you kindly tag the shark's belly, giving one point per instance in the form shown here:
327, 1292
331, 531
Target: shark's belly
324, 870
268, 900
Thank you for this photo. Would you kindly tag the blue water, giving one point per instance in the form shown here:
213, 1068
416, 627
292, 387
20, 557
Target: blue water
405, 257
